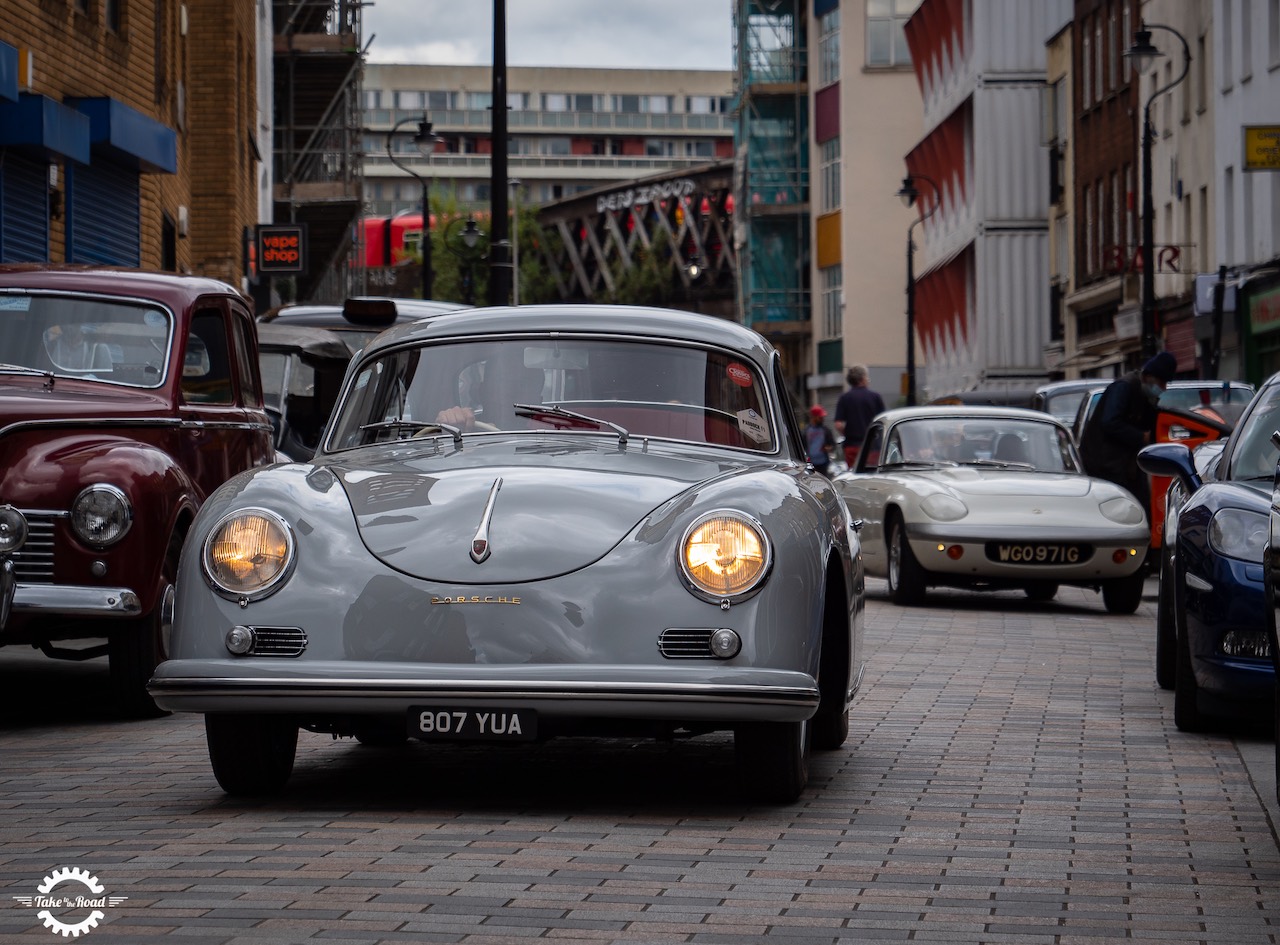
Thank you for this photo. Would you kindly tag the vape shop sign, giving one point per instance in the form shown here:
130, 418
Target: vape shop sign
282, 247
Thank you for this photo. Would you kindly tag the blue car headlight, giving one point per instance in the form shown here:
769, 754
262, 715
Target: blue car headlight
1238, 533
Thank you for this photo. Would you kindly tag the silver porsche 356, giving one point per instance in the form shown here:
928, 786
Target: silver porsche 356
525, 523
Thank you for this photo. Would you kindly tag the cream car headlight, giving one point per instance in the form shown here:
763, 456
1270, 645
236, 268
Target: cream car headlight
1237, 533
944, 508
249, 553
1121, 510
101, 515
725, 554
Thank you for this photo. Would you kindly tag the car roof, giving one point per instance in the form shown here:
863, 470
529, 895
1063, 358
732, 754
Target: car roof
967, 412
1081, 383
111, 280
641, 321
333, 316
317, 342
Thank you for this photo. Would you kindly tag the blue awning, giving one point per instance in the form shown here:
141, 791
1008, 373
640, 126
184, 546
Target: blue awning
38, 123
8, 72
127, 136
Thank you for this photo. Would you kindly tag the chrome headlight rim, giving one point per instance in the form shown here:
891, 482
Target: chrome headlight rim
13, 530
266, 589
1230, 530
116, 494
695, 587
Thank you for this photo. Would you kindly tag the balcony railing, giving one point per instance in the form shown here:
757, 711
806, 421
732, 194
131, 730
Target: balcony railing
376, 163
383, 119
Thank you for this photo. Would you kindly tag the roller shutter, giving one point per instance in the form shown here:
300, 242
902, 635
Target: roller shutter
103, 216
24, 209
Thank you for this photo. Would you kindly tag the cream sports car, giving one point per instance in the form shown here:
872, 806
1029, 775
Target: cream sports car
990, 498
525, 523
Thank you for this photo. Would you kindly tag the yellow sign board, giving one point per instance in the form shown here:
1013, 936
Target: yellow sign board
1262, 147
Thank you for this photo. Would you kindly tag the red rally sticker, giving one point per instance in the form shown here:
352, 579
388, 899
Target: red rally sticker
739, 374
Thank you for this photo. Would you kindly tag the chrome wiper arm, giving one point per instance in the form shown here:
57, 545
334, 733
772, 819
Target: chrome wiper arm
416, 426
534, 411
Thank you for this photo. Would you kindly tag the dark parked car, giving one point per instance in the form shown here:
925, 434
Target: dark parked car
1212, 647
126, 398
526, 523
302, 371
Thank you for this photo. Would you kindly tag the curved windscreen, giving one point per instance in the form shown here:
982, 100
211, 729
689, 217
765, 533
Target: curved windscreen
647, 389
998, 441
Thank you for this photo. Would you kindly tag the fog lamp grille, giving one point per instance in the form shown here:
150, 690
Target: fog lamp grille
680, 643
278, 641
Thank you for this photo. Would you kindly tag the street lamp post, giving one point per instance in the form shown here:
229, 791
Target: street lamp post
910, 195
426, 142
1142, 54
470, 252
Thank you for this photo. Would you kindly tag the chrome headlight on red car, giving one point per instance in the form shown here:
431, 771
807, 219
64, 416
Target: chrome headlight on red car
101, 515
248, 554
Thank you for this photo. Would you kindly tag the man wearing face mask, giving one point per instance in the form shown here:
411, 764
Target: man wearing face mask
1123, 423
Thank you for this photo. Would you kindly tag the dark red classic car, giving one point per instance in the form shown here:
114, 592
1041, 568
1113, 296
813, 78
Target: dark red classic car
126, 398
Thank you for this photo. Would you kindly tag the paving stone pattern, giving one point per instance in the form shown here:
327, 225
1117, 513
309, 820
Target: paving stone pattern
1013, 776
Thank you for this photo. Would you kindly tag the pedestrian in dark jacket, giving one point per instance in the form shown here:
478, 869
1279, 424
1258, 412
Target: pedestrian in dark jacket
819, 439
855, 410
1123, 423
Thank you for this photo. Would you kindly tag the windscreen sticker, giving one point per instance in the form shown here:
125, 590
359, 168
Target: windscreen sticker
15, 303
739, 374
752, 426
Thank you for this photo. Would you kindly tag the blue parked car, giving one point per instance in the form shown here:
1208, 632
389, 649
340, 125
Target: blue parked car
1212, 644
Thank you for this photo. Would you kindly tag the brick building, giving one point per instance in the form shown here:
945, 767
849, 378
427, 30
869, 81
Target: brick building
127, 133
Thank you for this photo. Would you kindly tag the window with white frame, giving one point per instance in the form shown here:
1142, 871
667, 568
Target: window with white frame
518, 101
700, 148
478, 101
1246, 42
409, 100
829, 47
555, 102
829, 175
372, 98
1099, 58
886, 39
1090, 246
1113, 51
832, 281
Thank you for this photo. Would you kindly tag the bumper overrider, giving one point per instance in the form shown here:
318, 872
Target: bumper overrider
600, 692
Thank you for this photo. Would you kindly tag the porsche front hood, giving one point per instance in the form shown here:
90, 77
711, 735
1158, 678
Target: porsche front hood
507, 512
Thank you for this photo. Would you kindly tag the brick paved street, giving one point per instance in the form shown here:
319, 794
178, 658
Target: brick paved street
1013, 775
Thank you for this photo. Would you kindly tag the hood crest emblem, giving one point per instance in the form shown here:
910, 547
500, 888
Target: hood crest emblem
480, 547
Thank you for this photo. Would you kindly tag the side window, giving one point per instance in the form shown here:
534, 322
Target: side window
869, 455
250, 383
206, 368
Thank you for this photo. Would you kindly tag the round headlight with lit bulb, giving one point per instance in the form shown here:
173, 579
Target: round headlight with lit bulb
248, 554
101, 515
725, 555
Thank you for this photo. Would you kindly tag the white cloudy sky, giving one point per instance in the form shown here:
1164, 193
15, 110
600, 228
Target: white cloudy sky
666, 34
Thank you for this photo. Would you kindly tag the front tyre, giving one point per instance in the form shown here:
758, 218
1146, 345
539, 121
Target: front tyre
906, 576
1123, 595
773, 759
137, 647
251, 754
